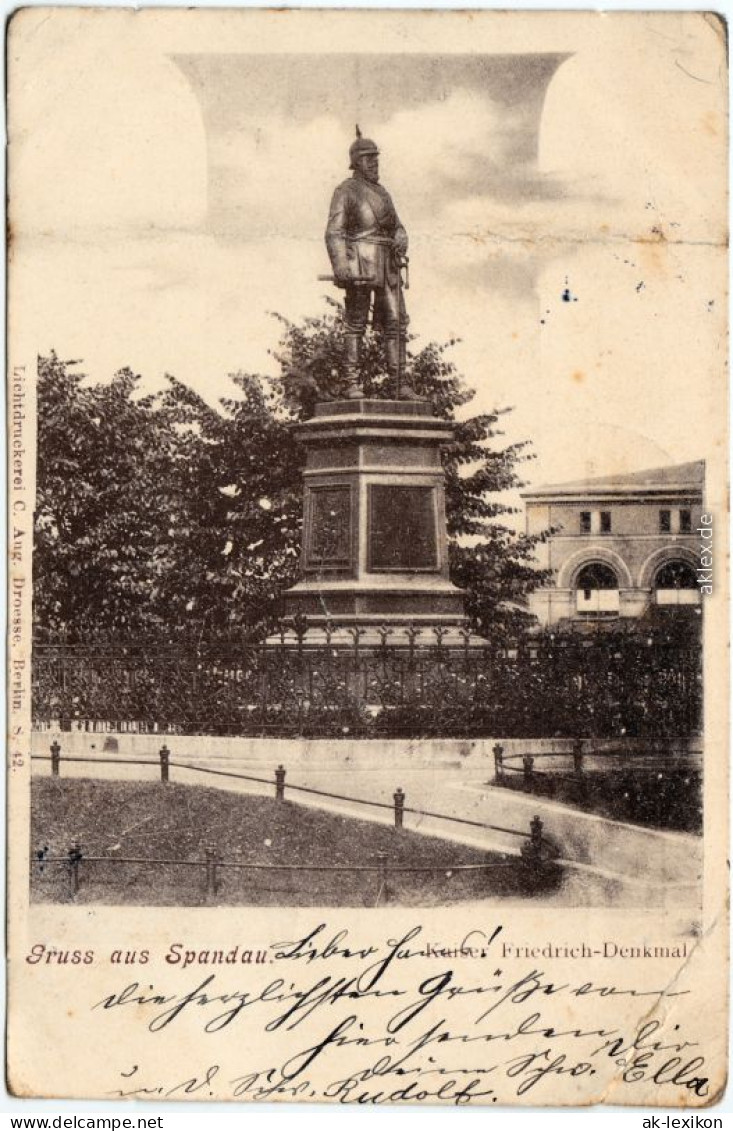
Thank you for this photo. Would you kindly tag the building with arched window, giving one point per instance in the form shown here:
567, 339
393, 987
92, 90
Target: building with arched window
620, 544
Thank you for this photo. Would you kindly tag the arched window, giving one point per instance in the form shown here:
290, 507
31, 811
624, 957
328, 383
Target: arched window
675, 584
597, 590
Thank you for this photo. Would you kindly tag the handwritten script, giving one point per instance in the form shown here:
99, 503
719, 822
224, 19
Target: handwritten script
335, 1019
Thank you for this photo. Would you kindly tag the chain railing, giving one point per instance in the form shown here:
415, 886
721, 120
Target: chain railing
535, 866
212, 878
165, 764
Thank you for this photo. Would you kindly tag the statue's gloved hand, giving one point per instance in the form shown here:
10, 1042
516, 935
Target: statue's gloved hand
400, 241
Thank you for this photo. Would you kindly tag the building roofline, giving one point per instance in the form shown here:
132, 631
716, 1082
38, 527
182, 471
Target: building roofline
675, 479
680, 490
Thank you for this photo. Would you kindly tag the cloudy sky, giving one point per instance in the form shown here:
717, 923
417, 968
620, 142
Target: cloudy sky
171, 174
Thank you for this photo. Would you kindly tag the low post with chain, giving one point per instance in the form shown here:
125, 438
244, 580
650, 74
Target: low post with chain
382, 873
75, 857
212, 858
399, 807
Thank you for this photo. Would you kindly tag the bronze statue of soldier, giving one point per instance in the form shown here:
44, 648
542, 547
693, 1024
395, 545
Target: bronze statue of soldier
367, 246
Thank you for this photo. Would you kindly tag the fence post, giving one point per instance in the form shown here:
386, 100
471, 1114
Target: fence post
532, 848
55, 758
528, 764
300, 625
535, 835
399, 807
382, 872
211, 862
165, 756
578, 757
411, 636
280, 783
75, 858
498, 761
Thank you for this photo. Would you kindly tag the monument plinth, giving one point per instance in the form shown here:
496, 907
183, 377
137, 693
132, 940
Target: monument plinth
374, 550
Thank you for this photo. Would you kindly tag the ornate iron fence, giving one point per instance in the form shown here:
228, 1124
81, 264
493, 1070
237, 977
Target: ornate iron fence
637, 687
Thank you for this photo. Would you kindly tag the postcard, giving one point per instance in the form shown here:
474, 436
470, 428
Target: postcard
368, 686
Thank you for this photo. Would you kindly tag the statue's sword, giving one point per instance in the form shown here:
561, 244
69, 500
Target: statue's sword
403, 264
355, 281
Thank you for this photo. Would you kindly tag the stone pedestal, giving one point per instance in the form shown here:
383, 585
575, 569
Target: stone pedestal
374, 537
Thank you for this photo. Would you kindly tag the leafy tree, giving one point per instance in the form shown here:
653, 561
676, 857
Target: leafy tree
162, 514
157, 513
236, 534
101, 516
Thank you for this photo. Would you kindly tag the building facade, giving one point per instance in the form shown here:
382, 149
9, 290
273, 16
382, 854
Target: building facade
619, 544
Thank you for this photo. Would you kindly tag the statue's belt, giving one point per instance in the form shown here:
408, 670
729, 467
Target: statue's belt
384, 241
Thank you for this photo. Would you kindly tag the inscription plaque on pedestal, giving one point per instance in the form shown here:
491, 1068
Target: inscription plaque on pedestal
329, 527
402, 528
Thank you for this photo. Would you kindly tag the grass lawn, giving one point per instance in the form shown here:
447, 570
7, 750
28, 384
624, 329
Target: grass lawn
173, 822
668, 799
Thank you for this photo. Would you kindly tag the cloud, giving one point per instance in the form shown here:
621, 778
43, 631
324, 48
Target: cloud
451, 147
275, 179
278, 176
450, 166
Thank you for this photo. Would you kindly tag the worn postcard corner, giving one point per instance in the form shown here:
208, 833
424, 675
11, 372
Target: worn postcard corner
368, 655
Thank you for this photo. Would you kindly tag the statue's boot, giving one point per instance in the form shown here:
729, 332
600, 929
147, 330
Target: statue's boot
354, 390
396, 352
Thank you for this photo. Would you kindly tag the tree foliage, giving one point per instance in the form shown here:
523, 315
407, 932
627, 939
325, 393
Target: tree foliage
161, 514
100, 520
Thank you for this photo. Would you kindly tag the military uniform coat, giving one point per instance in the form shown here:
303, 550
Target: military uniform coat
362, 225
